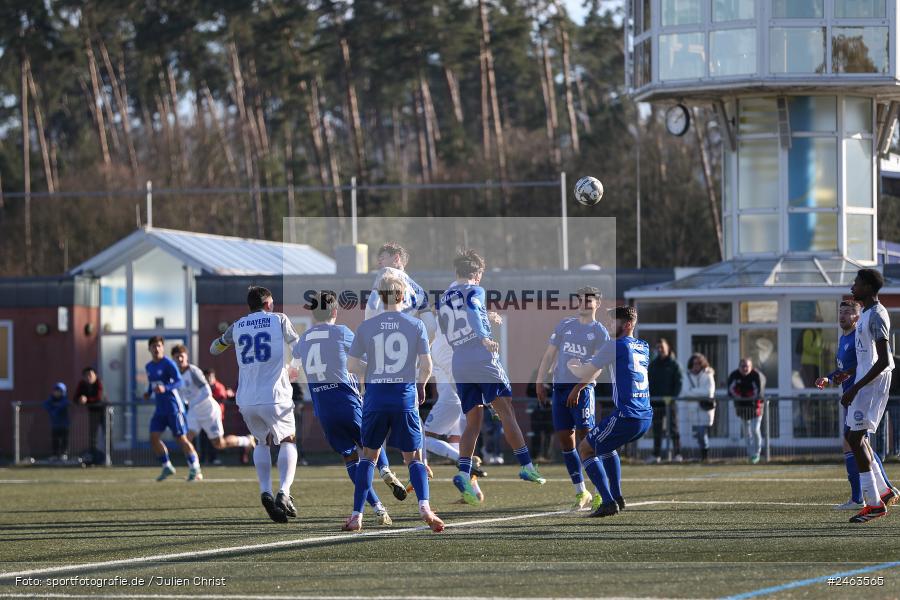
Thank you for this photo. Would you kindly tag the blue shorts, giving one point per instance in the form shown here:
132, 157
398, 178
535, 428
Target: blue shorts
401, 429
174, 421
576, 417
492, 383
615, 431
342, 428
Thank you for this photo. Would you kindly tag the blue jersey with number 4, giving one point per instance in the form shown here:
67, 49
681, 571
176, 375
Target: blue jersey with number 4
631, 387
322, 350
391, 343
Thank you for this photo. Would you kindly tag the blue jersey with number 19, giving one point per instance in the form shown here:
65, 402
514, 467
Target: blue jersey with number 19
631, 387
391, 343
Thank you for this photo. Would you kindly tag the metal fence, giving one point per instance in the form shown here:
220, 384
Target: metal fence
797, 427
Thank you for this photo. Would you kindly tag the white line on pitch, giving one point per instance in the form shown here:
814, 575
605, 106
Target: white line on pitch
268, 597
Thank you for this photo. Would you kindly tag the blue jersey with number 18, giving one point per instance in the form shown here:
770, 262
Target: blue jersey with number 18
631, 387
391, 343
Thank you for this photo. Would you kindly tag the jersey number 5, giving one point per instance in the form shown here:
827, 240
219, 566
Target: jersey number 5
640, 369
259, 344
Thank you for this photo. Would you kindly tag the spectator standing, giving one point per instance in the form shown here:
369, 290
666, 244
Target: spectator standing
701, 385
665, 385
57, 406
89, 393
747, 387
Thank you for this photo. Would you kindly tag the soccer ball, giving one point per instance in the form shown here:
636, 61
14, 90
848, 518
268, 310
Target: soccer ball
588, 191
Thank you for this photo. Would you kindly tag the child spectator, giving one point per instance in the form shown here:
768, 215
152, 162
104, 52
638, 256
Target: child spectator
57, 406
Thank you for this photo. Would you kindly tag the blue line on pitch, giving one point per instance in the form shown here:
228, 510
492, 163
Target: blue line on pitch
804, 582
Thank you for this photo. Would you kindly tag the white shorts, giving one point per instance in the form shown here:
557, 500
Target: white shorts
446, 416
866, 410
206, 416
264, 420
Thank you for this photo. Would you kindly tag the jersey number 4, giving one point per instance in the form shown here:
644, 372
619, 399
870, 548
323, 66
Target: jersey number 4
256, 348
314, 366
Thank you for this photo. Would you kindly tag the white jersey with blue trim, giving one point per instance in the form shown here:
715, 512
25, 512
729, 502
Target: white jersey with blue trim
874, 325
416, 299
196, 391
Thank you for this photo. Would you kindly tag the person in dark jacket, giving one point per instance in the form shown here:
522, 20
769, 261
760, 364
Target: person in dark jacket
57, 406
665, 385
747, 387
89, 393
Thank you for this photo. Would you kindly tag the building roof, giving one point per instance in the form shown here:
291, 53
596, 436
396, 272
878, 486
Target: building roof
212, 254
761, 275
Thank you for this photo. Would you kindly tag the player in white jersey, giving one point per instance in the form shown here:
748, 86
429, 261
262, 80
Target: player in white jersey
264, 394
867, 397
204, 413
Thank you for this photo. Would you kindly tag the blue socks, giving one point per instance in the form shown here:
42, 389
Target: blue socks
613, 467
418, 475
163, 458
853, 477
594, 468
382, 462
464, 464
193, 461
363, 483
573, 465
523, 456
371, 497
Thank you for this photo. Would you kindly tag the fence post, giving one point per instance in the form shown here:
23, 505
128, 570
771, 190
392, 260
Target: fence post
768, 418
107, 435
667, 432
17, 451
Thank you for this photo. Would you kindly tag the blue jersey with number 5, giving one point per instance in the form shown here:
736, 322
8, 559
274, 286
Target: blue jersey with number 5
631, 386
391, 343
322, 351
259, 340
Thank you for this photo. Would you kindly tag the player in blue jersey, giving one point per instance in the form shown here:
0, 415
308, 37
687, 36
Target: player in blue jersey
322, 351
575, 337
632, 416
480, 378
390, 352
845, 375
392, 259
164, 379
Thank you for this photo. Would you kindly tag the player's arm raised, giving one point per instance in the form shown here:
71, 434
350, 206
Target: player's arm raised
223, 342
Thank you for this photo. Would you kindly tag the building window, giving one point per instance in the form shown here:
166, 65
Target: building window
6, 355
859, 9
758, 174
858, 154
732, 52
682, 56
759, 311
733, 10
813, 352
681, 12
812, 232
642, 63
761, 346
758, 115
813, 113
159, 291
812, 172
814, 311
657, 312
860, 50
114, 301
857, 115
860, 234
797, 49
758, 233
709, 312
798, 9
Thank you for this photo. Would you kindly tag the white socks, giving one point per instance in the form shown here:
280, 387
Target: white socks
881, 485
243, 441
869, 488
262, 460
579, 488
287, 465
442, 448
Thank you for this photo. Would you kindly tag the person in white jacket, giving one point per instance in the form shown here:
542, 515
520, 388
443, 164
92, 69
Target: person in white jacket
700, 383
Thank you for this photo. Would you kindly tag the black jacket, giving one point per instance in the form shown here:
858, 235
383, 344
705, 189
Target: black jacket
665, 377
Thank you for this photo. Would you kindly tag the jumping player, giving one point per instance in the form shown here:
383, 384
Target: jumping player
867, 397
575, 337
164, 381
392, 344
632, 416
204, 413
844, 375
264, 394
322, 351
480, 378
